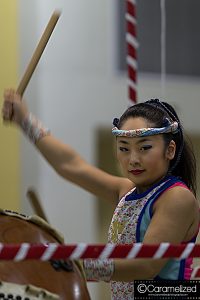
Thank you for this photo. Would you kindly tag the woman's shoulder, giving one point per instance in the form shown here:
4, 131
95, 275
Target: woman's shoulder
179, 203
178, 198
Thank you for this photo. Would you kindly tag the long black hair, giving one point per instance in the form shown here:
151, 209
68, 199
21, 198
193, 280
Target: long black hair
158, 113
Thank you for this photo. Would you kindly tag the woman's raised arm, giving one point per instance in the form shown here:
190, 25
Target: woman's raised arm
62, 157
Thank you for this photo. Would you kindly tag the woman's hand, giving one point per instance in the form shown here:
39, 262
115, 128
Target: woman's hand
14, 109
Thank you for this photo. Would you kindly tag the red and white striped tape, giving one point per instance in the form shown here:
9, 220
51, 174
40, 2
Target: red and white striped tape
195, 272
45, 252
132, 45
49, 251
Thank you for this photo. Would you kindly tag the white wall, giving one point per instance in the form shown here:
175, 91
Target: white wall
74, 90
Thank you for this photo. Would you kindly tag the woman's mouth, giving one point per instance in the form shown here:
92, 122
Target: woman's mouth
136, 172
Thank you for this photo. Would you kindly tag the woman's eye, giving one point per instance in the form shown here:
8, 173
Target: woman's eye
143, 148
123, 149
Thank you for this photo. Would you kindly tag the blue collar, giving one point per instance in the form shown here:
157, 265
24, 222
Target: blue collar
134, 195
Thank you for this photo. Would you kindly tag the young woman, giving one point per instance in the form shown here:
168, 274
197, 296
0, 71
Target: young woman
156, 195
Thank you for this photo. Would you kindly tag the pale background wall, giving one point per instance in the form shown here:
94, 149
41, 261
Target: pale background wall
75, 90
9, 158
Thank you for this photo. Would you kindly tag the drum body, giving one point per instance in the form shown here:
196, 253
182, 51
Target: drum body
67, 284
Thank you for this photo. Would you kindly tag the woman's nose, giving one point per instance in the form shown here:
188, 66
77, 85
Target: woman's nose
134, 159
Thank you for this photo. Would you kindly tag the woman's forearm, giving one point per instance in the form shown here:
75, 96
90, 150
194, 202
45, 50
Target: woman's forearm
132, 269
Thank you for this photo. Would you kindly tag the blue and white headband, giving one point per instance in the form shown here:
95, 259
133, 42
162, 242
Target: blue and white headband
171, 128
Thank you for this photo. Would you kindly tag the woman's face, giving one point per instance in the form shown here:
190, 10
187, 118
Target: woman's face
144, 160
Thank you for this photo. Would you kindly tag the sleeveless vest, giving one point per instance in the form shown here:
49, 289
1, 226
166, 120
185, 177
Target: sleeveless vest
129, 224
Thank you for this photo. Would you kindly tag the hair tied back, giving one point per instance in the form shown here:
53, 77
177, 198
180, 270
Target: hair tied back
116, 122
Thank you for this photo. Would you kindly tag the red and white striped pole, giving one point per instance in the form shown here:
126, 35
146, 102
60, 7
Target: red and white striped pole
46, 252
49, 251
132, 45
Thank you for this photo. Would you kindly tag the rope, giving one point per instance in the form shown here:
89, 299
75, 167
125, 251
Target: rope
44, 252
53, 251
163, 47
132, 45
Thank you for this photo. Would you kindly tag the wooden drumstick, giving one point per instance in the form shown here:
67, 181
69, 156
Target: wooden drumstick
38, 52
36, 204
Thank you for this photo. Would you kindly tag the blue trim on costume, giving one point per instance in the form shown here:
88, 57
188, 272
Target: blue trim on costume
135, 196
183, 261
182, 269
169, 181
174, 269
161, 190
137, 235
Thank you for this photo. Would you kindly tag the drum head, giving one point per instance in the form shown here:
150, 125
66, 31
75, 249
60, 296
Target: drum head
66, 284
